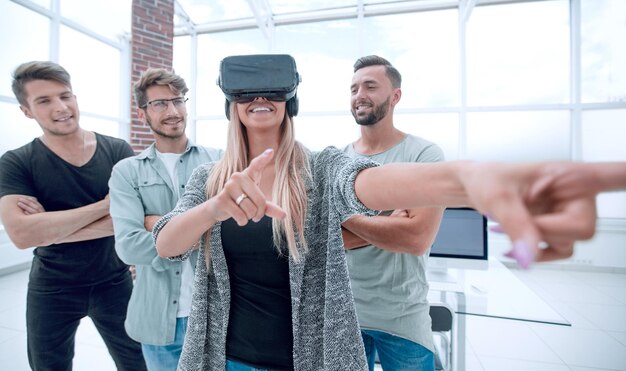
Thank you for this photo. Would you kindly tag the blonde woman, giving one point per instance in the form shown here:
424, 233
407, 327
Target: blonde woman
274, 293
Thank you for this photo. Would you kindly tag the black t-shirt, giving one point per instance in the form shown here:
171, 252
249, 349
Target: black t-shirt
35, 170
259, 328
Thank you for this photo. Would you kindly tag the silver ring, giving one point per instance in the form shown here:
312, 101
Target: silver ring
240, 199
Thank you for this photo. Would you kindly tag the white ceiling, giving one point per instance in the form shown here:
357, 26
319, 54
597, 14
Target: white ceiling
203, 16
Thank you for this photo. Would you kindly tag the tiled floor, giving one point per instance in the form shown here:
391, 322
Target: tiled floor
595, 304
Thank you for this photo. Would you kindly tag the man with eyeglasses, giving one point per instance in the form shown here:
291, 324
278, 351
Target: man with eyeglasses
143, 188
54, 195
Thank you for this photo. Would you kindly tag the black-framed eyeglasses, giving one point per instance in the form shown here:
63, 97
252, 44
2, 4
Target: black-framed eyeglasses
160, 105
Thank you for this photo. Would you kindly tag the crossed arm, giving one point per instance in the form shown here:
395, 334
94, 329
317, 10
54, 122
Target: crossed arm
29, 225
404, 231
133, 228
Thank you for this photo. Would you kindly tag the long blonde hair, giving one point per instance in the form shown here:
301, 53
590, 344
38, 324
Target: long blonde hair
289, 189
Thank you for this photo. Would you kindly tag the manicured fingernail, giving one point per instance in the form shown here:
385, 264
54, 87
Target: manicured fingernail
522, 253
267, 151
496, 228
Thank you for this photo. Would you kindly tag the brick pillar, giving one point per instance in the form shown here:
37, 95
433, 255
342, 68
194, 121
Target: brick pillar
151, 46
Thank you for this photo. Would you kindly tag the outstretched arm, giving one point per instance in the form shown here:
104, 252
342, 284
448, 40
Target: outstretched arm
553, 202
47, 228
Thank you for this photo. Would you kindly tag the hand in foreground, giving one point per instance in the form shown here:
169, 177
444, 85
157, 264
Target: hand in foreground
30, 205
149, 221
401, 213
551, 205
242, 199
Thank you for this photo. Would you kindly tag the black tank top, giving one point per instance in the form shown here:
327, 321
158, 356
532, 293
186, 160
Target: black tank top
260, 327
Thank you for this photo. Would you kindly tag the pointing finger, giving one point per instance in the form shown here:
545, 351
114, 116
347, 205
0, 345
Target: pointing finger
274, 211
255, 169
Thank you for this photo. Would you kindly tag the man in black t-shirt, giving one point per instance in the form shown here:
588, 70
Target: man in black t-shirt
54, 196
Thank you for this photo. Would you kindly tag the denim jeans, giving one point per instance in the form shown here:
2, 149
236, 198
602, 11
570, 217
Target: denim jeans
396, 353
165, 357
53, 315
237, 366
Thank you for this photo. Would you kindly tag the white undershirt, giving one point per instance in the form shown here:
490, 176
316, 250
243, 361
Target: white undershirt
170, 160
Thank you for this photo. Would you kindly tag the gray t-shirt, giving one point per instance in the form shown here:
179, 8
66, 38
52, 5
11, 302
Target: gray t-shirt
390, 289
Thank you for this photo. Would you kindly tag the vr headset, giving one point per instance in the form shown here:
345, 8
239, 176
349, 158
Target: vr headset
272, 76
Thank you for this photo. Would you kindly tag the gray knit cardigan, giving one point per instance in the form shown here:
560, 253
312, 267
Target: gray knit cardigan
326, 333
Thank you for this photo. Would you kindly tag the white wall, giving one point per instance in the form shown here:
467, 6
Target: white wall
12, 257
605, 252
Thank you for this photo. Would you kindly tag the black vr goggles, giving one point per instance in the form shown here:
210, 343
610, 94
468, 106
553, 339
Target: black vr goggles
272, 76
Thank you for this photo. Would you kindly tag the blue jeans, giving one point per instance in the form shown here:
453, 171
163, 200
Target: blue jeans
165, 357
396, 353
53, 315
237, 366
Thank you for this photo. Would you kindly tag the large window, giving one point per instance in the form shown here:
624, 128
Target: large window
97, 95
212, 48
603, 140
441, 128
424, 47
603, 56
603, 90
518, 54
324, 53
518, 136
216, 11
13, 17
17, 128
512, 81
86, 38
108, 19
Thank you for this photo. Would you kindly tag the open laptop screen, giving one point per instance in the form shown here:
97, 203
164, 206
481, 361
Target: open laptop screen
462, 234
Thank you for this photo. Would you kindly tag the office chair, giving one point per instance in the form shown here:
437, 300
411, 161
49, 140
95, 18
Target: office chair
443, 323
